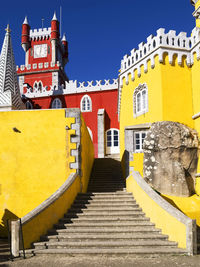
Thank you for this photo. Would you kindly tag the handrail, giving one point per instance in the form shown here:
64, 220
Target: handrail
45, 204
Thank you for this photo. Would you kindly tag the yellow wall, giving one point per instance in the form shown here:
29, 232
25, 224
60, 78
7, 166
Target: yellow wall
173, 228
137, 162
177, 92
190, 206
35, 161
153, 80
87, 155
169, 98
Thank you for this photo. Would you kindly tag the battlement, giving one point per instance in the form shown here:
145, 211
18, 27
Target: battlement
171, 44
72, 87
168, 40
40, 33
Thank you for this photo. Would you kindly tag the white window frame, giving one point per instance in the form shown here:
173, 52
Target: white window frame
140, 139
56, 103
88, 100
112, 149
140, 106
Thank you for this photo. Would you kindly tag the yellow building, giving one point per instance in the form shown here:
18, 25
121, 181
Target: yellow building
159, 81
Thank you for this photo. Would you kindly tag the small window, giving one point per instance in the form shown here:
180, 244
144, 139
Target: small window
29, 105
140, 100
56, 103
138, 141
86, 104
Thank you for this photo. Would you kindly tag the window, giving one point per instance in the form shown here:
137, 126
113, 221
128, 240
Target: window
56, 103
140, 100
112, 141
29, 105
138, 141
86, 104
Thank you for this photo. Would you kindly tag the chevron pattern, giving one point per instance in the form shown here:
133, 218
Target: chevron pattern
9, 88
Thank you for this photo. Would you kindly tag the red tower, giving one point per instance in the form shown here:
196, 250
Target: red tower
45, 58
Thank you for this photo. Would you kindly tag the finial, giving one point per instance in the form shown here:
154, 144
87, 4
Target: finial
25, 20
8, 30
64, 37
54, 16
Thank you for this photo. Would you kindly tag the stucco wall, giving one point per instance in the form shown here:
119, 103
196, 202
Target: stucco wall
35, 155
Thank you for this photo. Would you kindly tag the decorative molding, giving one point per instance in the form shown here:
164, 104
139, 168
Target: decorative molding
72, 87
159, 45
76, 138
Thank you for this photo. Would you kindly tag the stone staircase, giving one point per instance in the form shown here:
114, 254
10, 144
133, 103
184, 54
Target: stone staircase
105, 221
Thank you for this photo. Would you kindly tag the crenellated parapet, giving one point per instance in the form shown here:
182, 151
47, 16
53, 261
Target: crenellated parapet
71, 87
41, 33
171, 44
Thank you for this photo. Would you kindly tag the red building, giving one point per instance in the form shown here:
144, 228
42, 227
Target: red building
45, 85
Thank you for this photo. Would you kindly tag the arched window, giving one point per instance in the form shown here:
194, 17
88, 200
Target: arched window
29, 105
86, 103
140, 100
40, 85
56, 103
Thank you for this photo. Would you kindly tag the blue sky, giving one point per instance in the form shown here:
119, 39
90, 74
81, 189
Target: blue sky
99, 32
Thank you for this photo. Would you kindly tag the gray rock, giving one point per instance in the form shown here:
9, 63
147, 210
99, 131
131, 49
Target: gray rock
170, 158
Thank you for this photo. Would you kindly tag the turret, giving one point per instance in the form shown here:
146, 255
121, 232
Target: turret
25, 35
55, 27
65, 45
54, 36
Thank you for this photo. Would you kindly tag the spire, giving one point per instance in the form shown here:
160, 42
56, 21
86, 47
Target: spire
64, 38
54, 16
9, 88
26, 21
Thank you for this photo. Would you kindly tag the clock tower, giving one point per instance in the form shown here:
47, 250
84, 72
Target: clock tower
45, 58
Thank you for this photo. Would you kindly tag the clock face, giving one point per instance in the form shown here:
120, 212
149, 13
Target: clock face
40, 51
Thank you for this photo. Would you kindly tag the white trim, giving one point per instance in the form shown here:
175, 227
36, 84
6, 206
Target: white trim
143, 103
87, 106
141, 140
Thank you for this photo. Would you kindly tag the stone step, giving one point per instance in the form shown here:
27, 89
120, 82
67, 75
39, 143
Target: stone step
79, 237
99, 230
109, 220
105, 244
137, 215
105, 201
105, 194
109, 212
103, 224
110, 209
104, 205
110, 251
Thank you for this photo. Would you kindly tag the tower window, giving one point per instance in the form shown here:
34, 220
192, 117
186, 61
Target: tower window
56, 103
86, 104
140, 100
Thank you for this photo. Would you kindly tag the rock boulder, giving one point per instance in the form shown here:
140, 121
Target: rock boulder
170, 158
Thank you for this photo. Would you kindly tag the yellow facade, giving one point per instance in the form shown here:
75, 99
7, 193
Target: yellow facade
35, 161
172, 79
